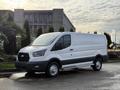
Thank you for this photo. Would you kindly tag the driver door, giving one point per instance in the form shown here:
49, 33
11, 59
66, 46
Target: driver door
62, 47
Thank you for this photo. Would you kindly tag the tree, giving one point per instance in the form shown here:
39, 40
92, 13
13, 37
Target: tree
26, 40
10, 18
8, 22
109, 41
3, 40
9, 44
39, 32
61, 29
8, 27
51, 29
71, 30
6, 19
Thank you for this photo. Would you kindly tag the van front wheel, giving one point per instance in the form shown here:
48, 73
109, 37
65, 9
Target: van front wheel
97, 64
52, 69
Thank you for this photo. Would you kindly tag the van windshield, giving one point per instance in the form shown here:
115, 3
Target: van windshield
45, 39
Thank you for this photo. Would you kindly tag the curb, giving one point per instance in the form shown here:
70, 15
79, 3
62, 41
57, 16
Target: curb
7, 72
112, 61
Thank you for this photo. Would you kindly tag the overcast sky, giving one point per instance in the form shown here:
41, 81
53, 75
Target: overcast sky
86, 15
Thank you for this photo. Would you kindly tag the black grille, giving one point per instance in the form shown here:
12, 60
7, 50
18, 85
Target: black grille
24, 57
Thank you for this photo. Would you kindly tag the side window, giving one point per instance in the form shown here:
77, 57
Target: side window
67, 41
63, 42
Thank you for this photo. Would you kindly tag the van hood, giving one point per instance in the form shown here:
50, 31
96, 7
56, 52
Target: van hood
30, 49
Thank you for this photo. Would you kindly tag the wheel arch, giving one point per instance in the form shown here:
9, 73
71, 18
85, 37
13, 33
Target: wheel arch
55, 60
99, 56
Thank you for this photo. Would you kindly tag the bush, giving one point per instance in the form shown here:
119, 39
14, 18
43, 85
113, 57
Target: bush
7, 58
51, 29
71, 30
61, 29
39, 32
114, 54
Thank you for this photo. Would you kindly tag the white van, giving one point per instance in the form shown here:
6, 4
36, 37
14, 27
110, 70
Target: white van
52, 52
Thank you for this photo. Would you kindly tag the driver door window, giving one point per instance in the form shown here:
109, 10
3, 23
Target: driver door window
62, 43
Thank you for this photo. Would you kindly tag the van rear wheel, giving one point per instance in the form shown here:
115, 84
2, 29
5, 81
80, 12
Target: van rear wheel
97, 64
52, 69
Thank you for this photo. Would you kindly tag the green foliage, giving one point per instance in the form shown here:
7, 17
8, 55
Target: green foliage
3, 40
7, 22
3, 37
39, 32
26, 39
95, 32
61, 29
6, 58
4, 66
109, 41
51, 29
10, 18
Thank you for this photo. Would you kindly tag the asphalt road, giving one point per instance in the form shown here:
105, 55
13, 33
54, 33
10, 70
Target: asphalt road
84, 79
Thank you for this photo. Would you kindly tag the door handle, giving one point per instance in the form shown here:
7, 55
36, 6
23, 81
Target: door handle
71, 49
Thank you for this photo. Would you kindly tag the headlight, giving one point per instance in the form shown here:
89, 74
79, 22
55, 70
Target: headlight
39, 53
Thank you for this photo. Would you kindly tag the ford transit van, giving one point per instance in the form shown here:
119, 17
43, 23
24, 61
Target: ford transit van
55, 51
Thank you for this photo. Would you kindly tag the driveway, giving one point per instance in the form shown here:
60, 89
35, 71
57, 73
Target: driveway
84, 79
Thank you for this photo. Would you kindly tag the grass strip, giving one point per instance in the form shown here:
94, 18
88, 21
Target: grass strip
4, 66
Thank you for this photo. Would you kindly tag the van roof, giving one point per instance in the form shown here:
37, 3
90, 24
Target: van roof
75, 33
65, 32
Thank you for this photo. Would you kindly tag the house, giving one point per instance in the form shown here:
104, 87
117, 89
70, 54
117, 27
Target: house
43, 19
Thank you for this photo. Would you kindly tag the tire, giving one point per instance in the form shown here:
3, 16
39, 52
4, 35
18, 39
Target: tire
52, 69
97, 64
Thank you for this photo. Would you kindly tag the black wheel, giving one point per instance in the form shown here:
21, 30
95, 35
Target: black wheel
52, 69
97, 64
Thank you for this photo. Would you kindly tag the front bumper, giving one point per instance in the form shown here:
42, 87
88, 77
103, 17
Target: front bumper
32, 66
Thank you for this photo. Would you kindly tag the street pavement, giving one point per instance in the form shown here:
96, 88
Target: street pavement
84, 79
